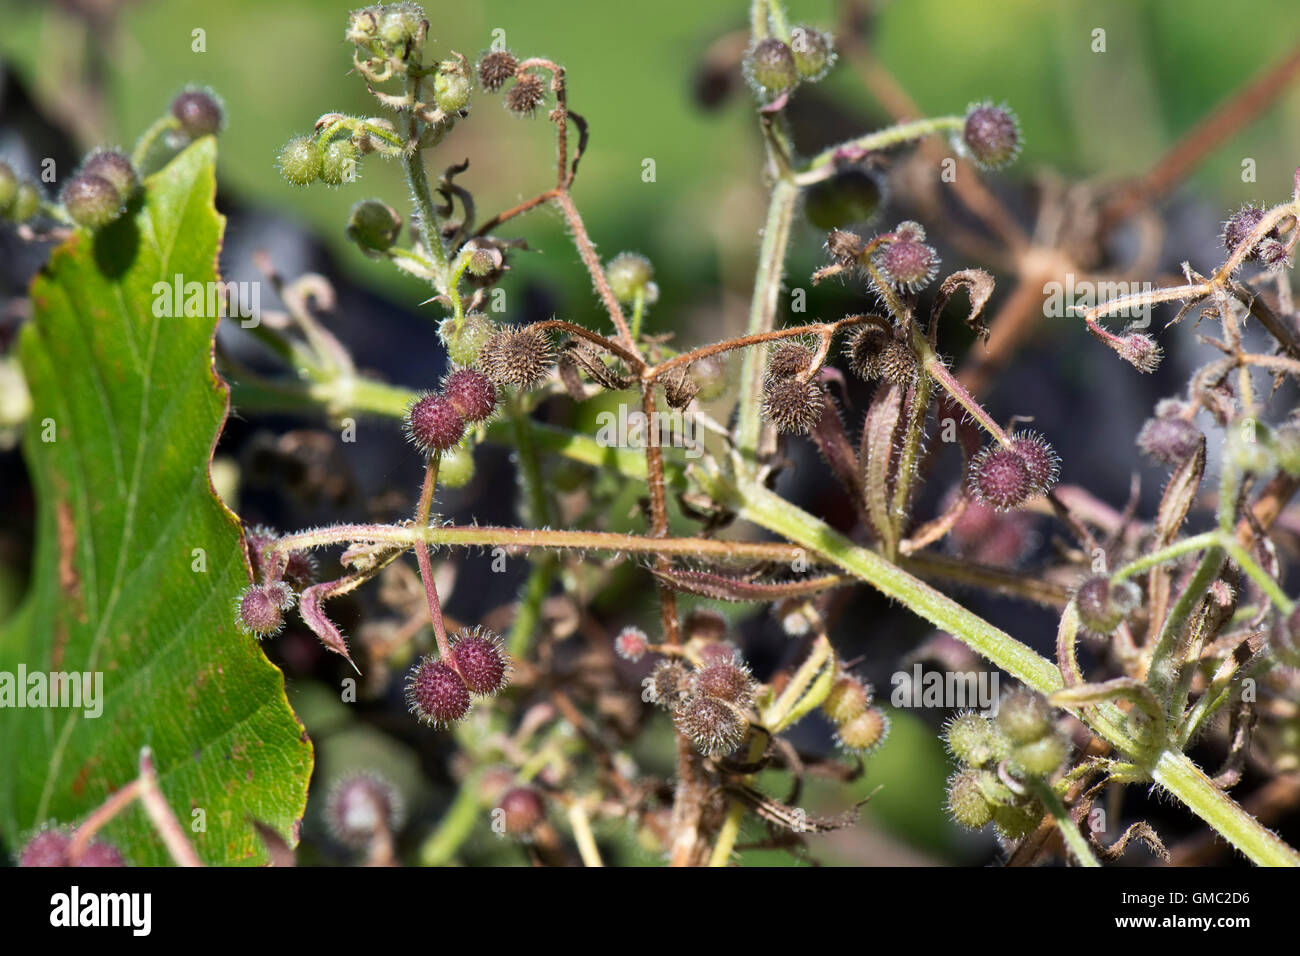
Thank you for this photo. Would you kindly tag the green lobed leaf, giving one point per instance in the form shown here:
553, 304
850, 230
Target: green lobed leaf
137, 561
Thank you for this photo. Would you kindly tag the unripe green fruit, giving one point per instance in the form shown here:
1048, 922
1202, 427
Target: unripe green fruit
338, 162
710, 374
399, 24
300, 161
770, 68
628, 273
451, 91
813, 52
116, 168
974, 740
966, 800
8, 187
847, 699
1016, 822
1023, 716
27, 202
91, 201
464, 345
864, 732
374, 225
1040, 757
851, 195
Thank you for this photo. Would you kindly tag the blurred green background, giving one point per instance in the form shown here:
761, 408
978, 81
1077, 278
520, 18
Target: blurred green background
631, 66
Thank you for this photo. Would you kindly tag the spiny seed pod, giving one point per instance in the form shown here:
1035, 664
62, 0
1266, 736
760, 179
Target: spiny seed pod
1023, 716
471, 393
631, 644
851, 195
844, 247
864, 732
517, 356
51, 847
974, 740
719, 652
466, 342
1170, 441
1041, 460
478, 658
1041, 757
679, 388
1238, 228
847, 699
706, 625
116, 168
528, 93
789, 359
91, 201
198, 112
991, 135
628, 273
338, 162
522, 811
451, 89
667, 684
1140, 351
714, 726
99, 855
814, 52
1103, 604
362, 806
433, 424
299, 161
435, 693
726, 681
865, 348
456, 467
27, 202
966, 801
897, 364
1274, 254
770, 68
906, 264
794, 407
259, 611
495, 68
1015, 822
374, 226
8, 187
1000, 478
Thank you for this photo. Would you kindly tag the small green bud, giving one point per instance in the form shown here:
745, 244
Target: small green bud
91, 201
456, 469
116, 168
464, 345
399, 23
1023, 716
974, 740
451, 88
300, 161
864, 732
813, 52
966, 800
373, 225
338, 162
1041, 757
628, 273
1015, 822
770, 68
198, 112
8, 187
27, 202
